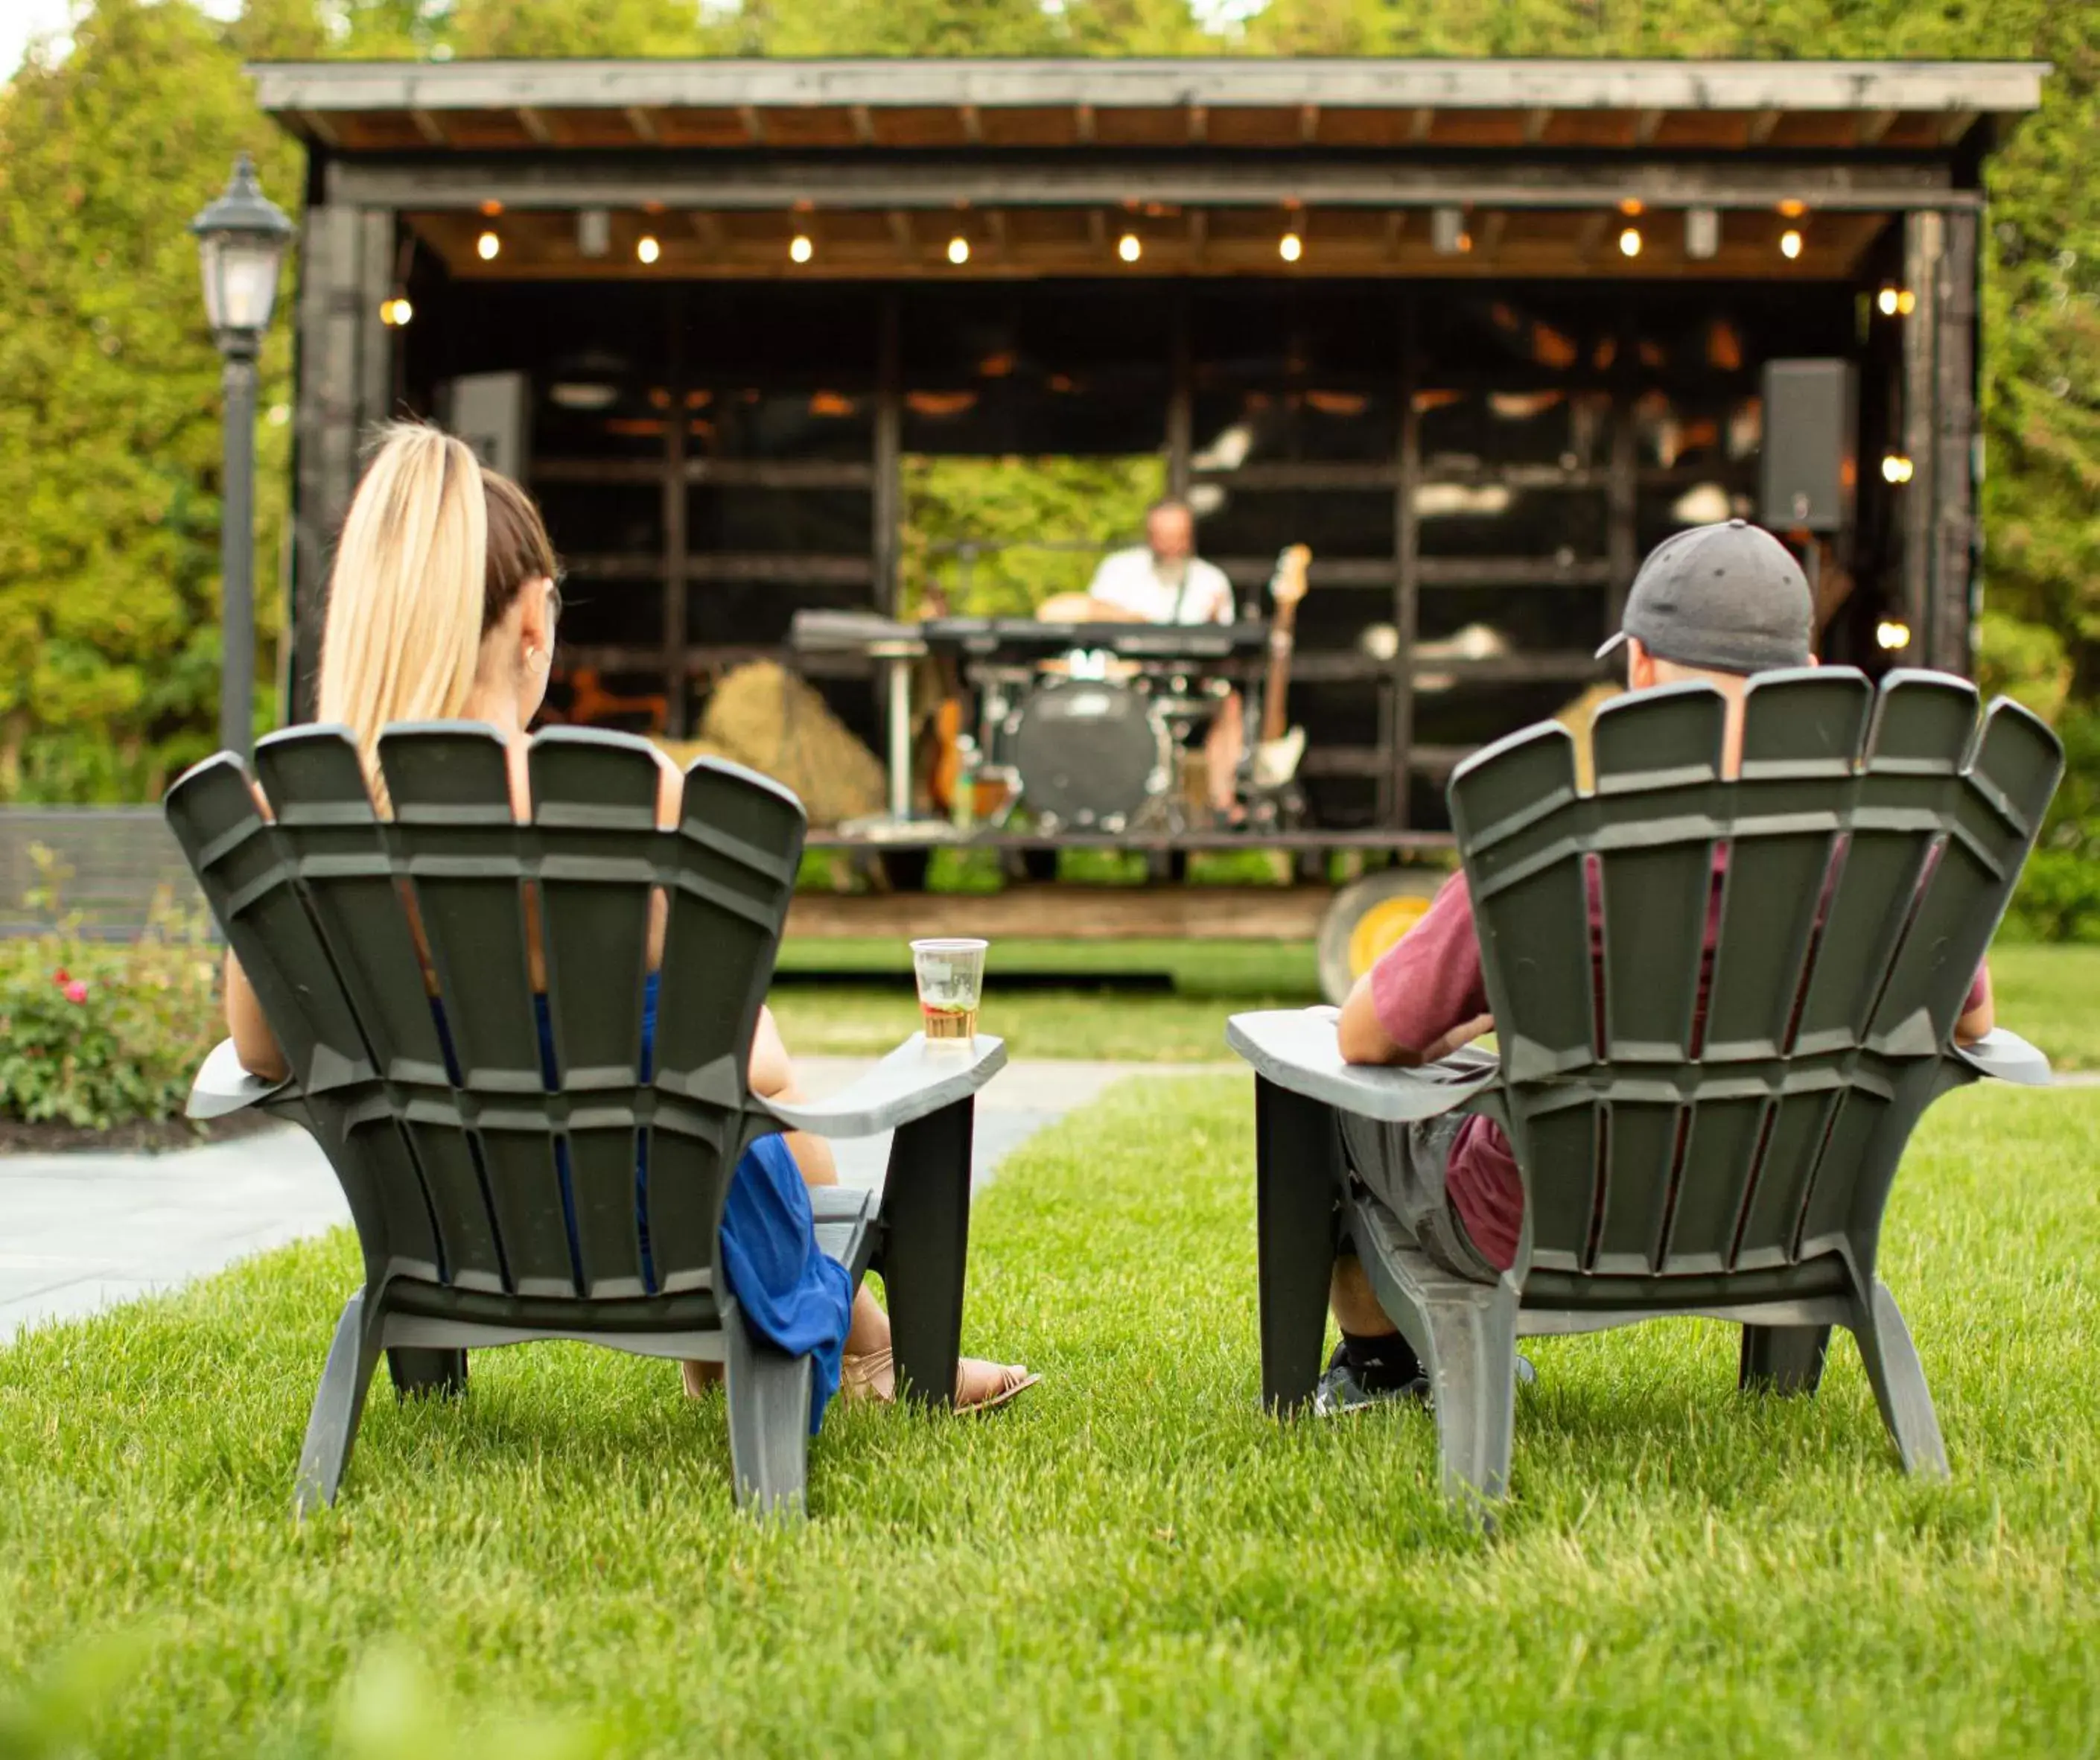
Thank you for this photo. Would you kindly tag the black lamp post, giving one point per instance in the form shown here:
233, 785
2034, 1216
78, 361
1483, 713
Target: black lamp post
241, 238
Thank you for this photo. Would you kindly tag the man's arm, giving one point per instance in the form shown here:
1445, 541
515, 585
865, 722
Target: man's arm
1358, 1032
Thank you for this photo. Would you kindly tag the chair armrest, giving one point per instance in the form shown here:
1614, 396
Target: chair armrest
1296, 1048
222, 1086
915, 1079
2005, 1056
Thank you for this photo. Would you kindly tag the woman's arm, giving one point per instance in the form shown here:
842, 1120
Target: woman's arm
253, 1044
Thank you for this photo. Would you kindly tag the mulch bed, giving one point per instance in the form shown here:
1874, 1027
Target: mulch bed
152, 1137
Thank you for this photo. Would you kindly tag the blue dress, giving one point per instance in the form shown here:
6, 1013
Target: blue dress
791, 1293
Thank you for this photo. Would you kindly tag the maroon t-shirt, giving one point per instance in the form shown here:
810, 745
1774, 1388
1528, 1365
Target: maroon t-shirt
1428, 985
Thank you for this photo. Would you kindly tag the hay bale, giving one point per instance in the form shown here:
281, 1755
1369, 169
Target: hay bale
763, 716
1576, 717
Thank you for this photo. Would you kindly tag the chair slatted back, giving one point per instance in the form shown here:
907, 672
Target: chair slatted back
1714, 996
462, 995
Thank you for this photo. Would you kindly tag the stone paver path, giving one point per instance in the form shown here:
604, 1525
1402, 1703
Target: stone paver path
82, 1232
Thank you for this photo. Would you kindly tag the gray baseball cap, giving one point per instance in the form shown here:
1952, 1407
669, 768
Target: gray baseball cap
1729, 597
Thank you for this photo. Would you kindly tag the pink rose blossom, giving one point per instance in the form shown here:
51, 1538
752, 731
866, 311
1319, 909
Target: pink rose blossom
76, 991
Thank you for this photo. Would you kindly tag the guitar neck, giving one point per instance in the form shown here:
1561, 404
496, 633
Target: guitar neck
1275, 717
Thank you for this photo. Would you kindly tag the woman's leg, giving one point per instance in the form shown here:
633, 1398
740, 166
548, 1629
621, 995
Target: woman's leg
772, 1077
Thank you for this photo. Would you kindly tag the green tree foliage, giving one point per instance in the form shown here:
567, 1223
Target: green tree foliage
109, 423
993, 537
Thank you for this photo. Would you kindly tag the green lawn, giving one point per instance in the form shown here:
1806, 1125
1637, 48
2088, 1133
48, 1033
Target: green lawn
2050, 993
1133, 1560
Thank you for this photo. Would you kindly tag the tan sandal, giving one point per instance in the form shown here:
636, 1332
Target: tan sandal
872, 1376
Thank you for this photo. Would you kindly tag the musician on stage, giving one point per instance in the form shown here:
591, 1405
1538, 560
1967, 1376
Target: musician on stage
1164, 581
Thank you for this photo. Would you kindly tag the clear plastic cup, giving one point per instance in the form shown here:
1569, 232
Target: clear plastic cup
950, 975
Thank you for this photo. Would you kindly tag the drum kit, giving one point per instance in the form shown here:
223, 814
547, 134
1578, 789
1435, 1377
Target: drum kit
1089, 727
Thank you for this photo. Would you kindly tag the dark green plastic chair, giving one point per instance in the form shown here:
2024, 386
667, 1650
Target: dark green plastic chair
492, 1207
1742, 1177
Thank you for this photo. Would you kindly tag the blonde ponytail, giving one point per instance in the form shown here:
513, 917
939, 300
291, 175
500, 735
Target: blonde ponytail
406, 597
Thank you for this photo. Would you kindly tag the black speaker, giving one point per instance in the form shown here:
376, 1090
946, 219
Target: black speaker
1810, 461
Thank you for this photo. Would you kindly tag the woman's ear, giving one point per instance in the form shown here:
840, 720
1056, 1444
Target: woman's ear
536, 626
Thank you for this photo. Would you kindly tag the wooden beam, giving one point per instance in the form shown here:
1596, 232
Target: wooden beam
534, 124
1954, 125
973, 125
1396, 230
1104, 913
863, 124
1873, 125
901, 235
1309, 123
1199, 229
1199, 124
1534, 125
1592, 234
1082, 124
319, 126
643, 124
1175, 177
1646, 123
1098, 229
752, 124
995, 223
1487, 234
427, 126
1762, 126
1420, 123
1158, 83
708, 227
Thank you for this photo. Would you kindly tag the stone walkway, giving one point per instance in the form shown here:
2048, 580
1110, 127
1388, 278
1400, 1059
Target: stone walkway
80, 1232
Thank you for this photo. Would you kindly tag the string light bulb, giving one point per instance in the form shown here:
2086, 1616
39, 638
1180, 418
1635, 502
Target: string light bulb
1906, 302
1886, 301
1630, 242
395, 312
1896, 468
1789, 243
1892, 634
959, 250
486, 246
800, 250
1128, 247
1290, 247
646, 250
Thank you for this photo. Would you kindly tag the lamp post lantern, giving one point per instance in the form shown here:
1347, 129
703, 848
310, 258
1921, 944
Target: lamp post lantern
241, 239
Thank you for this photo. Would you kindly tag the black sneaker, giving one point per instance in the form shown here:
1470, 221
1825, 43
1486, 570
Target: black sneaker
1340, 1390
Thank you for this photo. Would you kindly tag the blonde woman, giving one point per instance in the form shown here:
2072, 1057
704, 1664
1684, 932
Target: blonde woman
442, 606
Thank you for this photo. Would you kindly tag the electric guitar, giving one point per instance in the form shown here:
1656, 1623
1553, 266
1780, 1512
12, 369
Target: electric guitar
1280, 746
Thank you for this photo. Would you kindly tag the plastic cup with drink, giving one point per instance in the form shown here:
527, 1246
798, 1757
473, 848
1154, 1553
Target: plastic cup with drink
950, 975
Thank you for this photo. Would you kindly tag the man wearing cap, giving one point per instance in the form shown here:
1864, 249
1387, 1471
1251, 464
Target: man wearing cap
1714, 604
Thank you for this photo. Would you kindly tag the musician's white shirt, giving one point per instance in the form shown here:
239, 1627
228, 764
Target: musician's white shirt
1143, 586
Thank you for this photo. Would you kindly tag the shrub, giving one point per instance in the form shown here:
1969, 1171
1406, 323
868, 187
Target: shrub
2059, 894
99, 1034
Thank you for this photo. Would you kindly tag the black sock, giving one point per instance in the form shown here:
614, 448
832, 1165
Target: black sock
1383, 1363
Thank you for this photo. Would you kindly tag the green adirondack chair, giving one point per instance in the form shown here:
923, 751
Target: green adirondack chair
497, 1201
1871, 841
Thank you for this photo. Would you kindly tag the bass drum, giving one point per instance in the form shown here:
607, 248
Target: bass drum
1089, 754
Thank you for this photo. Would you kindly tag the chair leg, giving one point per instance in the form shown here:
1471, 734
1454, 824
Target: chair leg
1898, 1379
1296, 1180
418, 1369
1472, 1372
925, 1248
769, 1423
338, 1404
1782, 1358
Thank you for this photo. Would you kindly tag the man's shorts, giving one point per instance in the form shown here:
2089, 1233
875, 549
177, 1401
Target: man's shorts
1402, 1166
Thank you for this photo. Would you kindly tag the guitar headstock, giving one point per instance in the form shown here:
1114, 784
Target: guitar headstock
1287, 586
